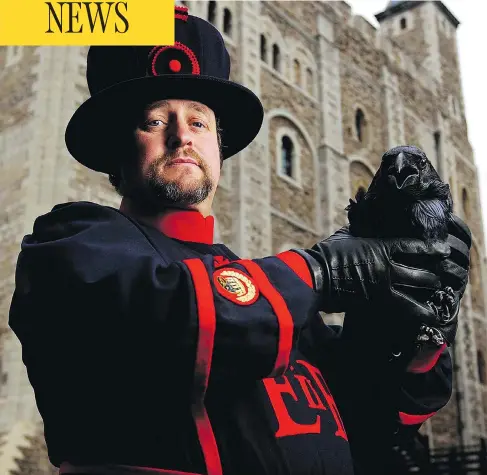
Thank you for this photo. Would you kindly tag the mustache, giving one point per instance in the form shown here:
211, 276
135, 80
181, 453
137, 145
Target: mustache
180, 154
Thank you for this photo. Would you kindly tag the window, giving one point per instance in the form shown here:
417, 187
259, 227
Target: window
287, 156
263, 48
212, 12
481, 366
227, 22
297, 72
360, 125
309, 81
276, 58
403, 23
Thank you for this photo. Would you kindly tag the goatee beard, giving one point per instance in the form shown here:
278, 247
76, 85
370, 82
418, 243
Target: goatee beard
152, 193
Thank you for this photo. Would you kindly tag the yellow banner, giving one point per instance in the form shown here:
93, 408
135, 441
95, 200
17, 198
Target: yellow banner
68, 23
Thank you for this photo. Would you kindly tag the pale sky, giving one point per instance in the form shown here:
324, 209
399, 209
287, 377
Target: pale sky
472, 43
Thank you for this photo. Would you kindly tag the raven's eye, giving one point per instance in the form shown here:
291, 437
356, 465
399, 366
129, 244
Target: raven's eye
423, 162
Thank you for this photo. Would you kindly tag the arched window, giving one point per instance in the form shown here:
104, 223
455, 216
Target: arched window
309, 81
481, 366
263, 48
403, 23
227, 22
276, 57
212, 11
287, 156
297, 72
360, 125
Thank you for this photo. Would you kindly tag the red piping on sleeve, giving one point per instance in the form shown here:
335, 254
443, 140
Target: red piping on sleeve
410, 419
297, 264
206, 337
284, 318
425, 360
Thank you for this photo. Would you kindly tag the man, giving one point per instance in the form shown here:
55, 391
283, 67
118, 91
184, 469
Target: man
152, 349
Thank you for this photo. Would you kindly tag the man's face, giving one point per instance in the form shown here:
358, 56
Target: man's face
178, 157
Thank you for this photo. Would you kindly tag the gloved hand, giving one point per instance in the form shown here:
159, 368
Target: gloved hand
453, 272
363, 270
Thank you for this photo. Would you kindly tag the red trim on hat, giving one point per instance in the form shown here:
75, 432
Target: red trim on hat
181, 13
152, 50
175, 65
284, 318
179, 46
204, 351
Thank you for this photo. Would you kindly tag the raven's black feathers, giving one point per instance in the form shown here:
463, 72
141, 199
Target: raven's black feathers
406, 198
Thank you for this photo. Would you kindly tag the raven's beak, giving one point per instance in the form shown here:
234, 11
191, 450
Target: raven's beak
403, 171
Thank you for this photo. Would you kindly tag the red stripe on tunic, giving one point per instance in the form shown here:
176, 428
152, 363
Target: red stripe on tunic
298, 264
284, 318
204, 351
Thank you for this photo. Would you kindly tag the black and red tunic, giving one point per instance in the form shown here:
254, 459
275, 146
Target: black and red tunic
157, 348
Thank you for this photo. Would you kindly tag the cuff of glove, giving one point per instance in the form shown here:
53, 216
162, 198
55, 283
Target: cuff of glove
318, 275
425, 359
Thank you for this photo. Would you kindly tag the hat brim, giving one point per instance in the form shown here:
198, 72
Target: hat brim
95, 127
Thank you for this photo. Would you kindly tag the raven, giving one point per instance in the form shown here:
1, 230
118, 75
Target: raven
407, 198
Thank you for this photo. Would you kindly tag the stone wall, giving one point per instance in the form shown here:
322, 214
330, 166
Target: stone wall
289, 235
302, 13
288, 17
476, 283
16, 85
17, 90
468, 205
295, 199
444, 424
277, 93
361, 88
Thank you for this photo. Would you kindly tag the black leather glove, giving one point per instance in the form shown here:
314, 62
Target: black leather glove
453, 272
359, 270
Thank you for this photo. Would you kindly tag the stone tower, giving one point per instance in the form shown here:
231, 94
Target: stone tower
337, 93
